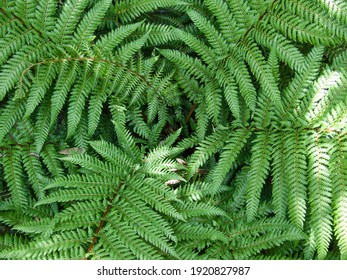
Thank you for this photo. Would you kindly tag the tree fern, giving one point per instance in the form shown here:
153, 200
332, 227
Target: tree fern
169, 129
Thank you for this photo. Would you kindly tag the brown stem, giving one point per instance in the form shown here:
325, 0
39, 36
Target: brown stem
93, 59
102, 221
21, 21
190, 112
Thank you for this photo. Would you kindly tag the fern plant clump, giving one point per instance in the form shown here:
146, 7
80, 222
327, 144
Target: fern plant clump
173, 129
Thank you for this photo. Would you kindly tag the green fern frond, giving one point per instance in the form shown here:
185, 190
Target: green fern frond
34, 169
69, 242
226, 20
262, 71
320, 193
230, 151
66, 77
194, 209
337, 165
127, 10
68, 20
214, 38
111, 40
206, 52
300, 84
239, 70
260, 164
24, 9
14, 176
288, 53
199, 232
12, 71
275, 239
317, 14
45, 16
128, 50
98, 99
125, 140
298, 29
280, 188
193, 66
327, 92
12, 113
159, 34
14, 40
50, 159
79, 93
86, 28
43, 225
237, 199
297, 178
11, 240
164, 129
210, 145
264, 113
231, 96
42, 125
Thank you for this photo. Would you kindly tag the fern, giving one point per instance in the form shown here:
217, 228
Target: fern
169, 129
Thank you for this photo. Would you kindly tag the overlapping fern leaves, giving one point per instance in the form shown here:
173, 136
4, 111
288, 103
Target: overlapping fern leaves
286, 164
98, 97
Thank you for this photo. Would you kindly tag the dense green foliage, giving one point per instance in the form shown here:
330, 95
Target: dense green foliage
173, 129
